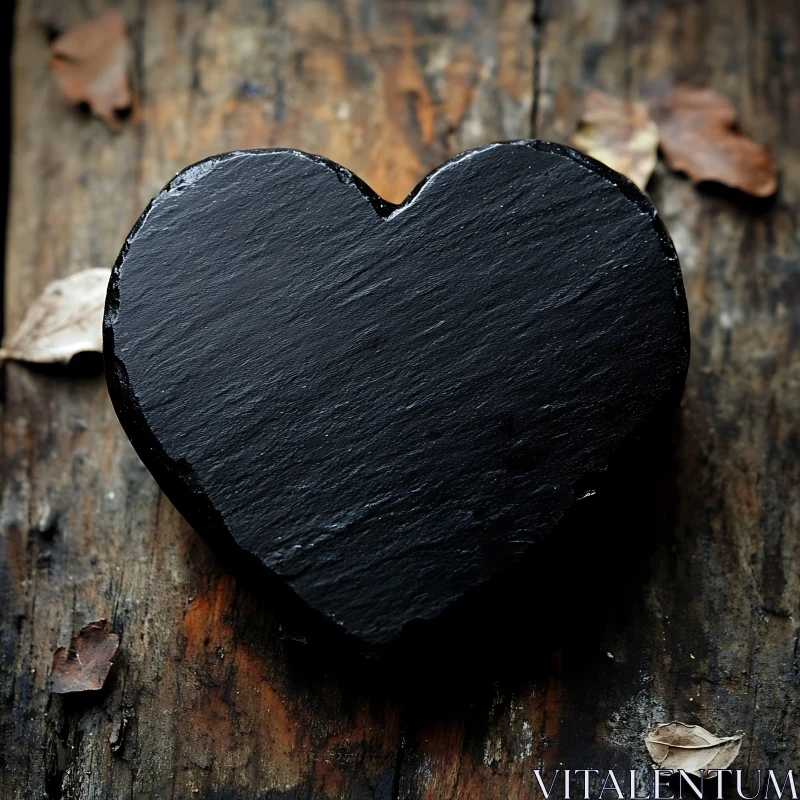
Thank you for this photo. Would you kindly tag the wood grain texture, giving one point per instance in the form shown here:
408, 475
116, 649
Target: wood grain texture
206, 694
711, 633
695, 596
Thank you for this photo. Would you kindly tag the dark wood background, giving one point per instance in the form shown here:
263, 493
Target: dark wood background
689, 577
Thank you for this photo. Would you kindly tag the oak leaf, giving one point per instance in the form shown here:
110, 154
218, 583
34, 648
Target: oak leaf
619, 133
675, 745
85, 664
90, 62
66, 319
700, 136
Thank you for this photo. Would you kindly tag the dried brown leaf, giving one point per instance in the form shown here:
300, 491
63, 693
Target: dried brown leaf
66, 319
85, 664
691, 748
699, 136
91, 64
619, 133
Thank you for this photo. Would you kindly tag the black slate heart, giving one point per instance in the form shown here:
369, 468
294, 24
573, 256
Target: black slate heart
386, 405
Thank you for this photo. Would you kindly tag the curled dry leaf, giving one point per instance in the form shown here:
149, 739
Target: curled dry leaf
699, 136
91, 64
619, 133
66, 319
691, 748
85, 664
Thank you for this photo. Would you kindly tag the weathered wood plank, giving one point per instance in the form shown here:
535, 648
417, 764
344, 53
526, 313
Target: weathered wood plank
209, 693
711, 635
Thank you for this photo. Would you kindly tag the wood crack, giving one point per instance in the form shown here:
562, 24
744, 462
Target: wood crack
538, 21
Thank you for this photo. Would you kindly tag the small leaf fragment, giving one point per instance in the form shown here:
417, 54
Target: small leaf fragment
699, 136
619, 133
675, 745
90, 62
85, 664
66, 319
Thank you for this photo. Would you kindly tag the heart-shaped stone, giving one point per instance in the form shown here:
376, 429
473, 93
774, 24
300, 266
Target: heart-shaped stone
387, 405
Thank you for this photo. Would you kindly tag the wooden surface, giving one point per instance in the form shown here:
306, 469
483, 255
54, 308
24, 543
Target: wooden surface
689, 577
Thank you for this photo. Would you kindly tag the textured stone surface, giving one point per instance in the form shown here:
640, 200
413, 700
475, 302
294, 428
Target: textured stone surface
387, 405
